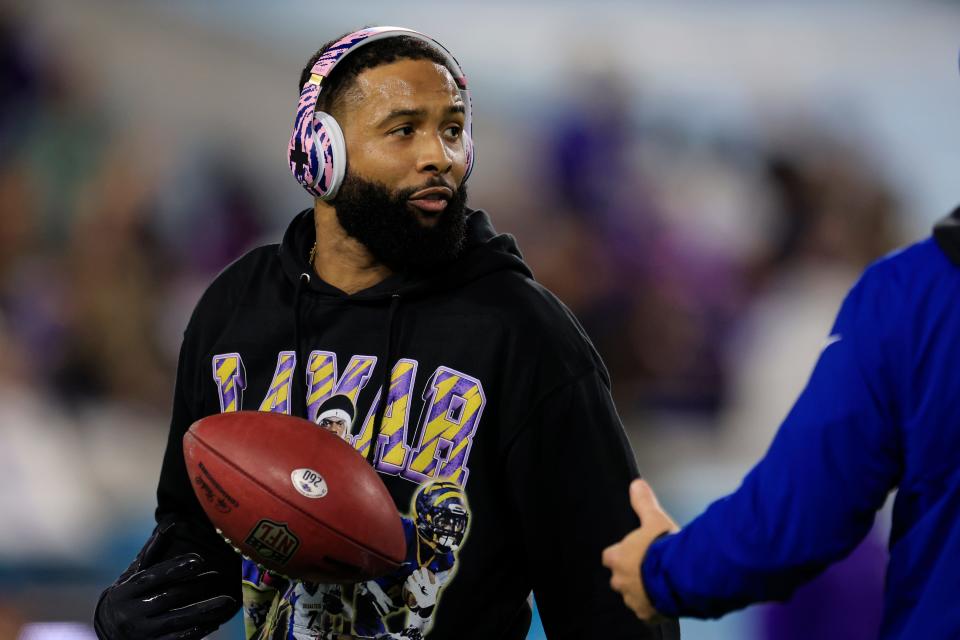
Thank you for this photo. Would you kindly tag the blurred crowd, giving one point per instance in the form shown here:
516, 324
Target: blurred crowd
664, 243
102, 255
703, 265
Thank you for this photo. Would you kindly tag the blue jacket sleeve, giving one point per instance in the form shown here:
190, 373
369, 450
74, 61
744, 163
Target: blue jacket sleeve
814, 495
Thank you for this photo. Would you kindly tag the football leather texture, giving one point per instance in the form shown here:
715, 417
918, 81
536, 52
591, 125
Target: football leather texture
293, 497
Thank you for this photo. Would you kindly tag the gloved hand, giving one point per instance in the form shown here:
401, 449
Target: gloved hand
421, 588
376, 596
173, 600
170, 592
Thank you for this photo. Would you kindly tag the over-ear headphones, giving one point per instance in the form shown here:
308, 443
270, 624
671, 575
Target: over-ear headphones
317, 152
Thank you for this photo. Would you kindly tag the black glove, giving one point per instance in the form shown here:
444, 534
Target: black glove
172, 600
179, 598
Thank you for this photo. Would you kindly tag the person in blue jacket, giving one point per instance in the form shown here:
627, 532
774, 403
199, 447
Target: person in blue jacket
880, 412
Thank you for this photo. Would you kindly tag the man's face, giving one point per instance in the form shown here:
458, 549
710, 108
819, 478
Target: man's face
403, 125
402, 197
335, 425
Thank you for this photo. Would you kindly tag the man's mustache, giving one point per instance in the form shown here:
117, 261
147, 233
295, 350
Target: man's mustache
433, 182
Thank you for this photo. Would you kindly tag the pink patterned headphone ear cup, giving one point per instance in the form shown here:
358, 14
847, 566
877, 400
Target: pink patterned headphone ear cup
332, 150
301, 154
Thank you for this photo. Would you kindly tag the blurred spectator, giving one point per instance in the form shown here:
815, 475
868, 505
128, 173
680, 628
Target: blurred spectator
19, 77
834, 209
837, 217
115, 289
52, 513
61, 137
210, 211
655, 301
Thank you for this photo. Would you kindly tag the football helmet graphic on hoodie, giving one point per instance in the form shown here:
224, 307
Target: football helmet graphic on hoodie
441, 515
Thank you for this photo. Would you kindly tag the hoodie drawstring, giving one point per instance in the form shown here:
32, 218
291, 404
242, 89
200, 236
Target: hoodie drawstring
299, 392
384, 379
298, 403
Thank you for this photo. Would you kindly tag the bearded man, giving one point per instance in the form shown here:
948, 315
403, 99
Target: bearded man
462, 368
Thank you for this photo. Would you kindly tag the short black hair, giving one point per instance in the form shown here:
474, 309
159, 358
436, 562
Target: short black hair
366, 57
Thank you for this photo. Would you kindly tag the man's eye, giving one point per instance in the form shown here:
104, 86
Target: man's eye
405, 130
454, 131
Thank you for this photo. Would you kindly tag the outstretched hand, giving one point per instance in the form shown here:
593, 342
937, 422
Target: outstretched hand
624, 558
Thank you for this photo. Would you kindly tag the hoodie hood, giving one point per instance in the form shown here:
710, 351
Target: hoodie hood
485, 251
946, 233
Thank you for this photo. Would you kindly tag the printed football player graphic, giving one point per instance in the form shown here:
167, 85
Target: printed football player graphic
317, 612
434, 535
306, 611
336, 414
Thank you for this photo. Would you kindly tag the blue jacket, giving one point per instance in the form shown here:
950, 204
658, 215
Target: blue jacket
881, 412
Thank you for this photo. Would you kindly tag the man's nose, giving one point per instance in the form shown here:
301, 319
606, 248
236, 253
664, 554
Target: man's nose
434, 156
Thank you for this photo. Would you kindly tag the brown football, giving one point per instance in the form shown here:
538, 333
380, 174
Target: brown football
293, 497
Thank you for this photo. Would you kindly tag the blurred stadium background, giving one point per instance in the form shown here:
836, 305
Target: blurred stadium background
699, 182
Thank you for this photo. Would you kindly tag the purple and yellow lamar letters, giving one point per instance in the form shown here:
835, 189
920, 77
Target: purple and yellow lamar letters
453, 404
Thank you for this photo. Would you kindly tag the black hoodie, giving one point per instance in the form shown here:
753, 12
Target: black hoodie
496, 388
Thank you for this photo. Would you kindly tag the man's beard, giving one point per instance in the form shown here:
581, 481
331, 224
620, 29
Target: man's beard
383, 223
